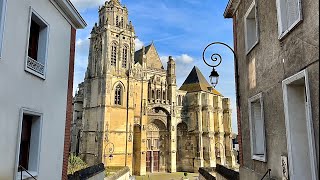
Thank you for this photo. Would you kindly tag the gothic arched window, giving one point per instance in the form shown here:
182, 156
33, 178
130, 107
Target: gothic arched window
125, 56
114, 54
118, 95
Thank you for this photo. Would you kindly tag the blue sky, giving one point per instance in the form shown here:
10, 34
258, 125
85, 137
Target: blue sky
178, 28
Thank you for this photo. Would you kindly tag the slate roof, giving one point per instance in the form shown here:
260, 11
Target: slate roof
196, 82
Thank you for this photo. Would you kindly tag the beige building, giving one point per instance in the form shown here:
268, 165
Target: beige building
129, 107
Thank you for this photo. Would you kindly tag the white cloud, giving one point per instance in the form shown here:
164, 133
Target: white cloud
82, 5
138, 43
184, 58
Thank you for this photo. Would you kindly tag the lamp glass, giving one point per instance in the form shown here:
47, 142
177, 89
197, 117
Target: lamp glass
214, 77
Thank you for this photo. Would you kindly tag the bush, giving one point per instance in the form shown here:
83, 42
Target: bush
75, 163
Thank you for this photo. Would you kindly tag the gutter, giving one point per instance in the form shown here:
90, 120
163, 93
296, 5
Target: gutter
72, 13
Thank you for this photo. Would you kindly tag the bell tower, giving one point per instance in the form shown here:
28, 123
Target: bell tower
115, 36
109, 85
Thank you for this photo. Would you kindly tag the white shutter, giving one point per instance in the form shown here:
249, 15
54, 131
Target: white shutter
282, 16
293, 12
258, 129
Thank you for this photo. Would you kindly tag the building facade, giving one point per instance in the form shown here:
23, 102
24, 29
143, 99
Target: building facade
36, 65
129, 111
277, 49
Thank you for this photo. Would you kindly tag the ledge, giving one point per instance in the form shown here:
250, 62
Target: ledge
204, 172
87, 172
227, 173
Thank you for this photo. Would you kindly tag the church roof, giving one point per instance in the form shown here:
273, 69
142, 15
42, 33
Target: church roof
197, 82
153, 59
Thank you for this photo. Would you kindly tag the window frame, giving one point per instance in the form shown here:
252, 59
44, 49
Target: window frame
114, 54
45, 41
125, 56
263, 158
249, 49
39, 115
121, 95
281, 33
2, 23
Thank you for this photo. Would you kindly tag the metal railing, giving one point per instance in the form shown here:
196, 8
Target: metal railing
21, 168
35, 66
267, 173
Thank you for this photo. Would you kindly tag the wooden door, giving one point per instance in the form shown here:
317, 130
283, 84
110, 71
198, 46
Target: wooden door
148, 161
156, 161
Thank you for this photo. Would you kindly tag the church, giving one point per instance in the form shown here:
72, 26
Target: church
130, 112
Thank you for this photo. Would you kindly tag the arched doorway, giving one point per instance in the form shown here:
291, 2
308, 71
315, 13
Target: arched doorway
156, 146
157, 142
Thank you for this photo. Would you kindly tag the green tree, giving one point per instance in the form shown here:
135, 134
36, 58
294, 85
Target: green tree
75, 163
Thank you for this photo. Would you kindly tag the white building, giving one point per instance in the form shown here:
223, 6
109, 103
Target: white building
37, 42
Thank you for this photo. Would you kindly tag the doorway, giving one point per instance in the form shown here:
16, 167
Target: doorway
153, 148
299, 128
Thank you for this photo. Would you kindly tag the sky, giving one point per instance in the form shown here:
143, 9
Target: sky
178, 28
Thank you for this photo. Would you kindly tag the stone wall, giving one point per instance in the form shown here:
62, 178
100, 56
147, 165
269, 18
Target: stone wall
263, 69
122, 174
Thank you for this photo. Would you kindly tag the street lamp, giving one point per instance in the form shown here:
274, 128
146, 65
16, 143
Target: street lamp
110, 149
214, 77
217, 60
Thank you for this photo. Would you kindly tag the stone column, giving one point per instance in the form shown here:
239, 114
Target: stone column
227, 130
173, 145
199, 161
212, 142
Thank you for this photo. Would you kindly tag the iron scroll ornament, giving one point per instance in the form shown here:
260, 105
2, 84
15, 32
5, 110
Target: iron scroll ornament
216, 58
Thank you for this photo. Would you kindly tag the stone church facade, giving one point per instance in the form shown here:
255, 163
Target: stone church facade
129, 111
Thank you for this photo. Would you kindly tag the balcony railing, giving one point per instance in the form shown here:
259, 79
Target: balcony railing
35, 66
22, 169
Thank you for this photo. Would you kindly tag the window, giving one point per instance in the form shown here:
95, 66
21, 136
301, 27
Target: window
2, 18
37, 46
251, 27
149, 144
289, 15
156, 143
257, 129
125, 56
28, 152
117, 95
117, 21
114, 54
122, 23
301, 144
